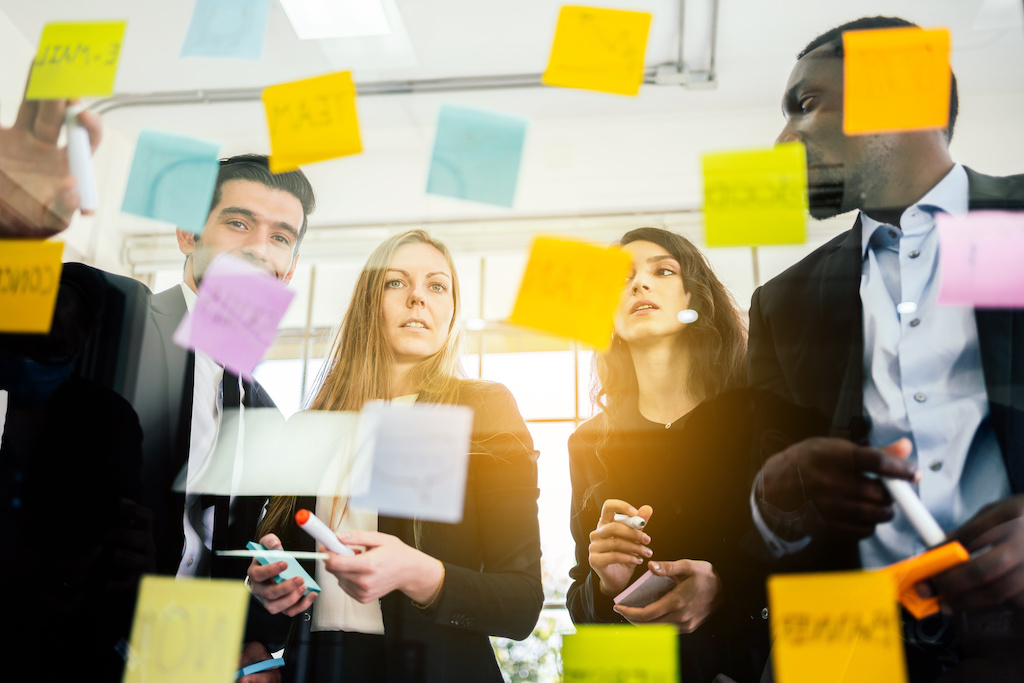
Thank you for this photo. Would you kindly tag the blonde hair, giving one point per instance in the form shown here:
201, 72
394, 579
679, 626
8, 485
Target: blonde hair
361, 361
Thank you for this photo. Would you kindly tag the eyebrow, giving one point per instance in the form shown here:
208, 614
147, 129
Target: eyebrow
436, 272
789, 98
287, 227
663, 257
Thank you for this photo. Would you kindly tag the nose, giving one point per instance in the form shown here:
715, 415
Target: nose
416, 296
787, 135
639, 282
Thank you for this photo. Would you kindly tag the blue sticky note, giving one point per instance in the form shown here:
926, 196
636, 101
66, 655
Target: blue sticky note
477, 155
227, 28
172, 179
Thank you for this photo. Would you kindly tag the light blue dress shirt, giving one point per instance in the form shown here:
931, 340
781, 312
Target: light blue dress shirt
922, 373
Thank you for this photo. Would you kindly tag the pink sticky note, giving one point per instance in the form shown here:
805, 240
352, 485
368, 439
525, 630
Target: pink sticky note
236, 314
980, 259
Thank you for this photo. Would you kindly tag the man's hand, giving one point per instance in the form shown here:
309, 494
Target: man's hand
697, 594
616, 550
991, 576
831, 474
38, 196
257, 652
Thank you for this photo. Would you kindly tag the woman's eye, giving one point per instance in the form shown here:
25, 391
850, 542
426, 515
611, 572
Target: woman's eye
438, 287
664, 272
393, 284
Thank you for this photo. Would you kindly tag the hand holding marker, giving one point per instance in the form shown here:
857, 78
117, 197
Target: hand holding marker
635, 521
312, 525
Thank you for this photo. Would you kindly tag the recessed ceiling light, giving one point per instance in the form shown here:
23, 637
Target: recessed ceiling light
321, 19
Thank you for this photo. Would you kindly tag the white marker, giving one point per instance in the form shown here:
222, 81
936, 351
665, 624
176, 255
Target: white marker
312, 525
923, 522
80, 158
636, 521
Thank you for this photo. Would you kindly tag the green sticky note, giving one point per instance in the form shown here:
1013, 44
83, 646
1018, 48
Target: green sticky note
756, 197
76, 59
598, 654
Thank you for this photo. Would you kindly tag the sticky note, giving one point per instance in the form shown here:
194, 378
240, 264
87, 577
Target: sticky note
571, 288
227, 28
186, 630
598, 49
236, 315
980, 258
895, 79
419, 470
600, 653
312, 120
29, 282
172, 179
76, 60
755, 197
841, 626
476, 155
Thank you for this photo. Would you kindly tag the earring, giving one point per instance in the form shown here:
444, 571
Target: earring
687, 316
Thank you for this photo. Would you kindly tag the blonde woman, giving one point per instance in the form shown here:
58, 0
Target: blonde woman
421, 599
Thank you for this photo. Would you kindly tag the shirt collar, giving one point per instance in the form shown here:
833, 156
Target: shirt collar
949, 195
190, 297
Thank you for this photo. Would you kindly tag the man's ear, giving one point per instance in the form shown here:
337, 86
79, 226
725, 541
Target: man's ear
288, 276
186, 241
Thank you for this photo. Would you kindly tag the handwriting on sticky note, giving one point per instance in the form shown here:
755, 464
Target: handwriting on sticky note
979, 259
419, 471
172, 179
842, 626
627, 653
186, 630
599, 49
476, 155
571, 288
895, 79
312, 120
236, 314
76, 60
755, 197
227, 28
29, 282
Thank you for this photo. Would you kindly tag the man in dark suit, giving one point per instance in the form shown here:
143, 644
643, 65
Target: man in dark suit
913, 390
180, 396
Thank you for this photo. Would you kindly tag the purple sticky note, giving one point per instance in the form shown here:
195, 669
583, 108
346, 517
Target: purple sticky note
236, 314
980, 258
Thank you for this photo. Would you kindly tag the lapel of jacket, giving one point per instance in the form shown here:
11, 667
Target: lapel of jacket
995, 335
841, 313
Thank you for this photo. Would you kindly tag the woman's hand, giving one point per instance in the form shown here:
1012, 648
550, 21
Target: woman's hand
288, 596
697, 594
617, 549
386, 564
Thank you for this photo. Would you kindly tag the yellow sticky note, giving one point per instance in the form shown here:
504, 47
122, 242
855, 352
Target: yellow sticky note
599, 49
186, 630
571, 288
76, 60
599, 653
756, 197
895, 79
312, 120
835, 627
29, 281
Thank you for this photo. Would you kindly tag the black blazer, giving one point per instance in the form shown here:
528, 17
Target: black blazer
492, 584
807, 341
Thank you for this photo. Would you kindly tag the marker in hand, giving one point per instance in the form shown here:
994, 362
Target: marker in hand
635, 521
312, 525
80, 159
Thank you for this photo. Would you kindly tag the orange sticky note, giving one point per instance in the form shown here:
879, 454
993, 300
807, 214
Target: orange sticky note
312, 120
76, 60
841, 627
895, 79
186, 630
29, 281
599, 49
755, 197
571, 288
908, 573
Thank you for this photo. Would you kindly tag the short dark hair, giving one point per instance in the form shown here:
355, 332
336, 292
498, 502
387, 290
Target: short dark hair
256, 167
864, 23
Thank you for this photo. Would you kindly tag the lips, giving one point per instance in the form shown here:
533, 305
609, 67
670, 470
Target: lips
643, 305
415, 323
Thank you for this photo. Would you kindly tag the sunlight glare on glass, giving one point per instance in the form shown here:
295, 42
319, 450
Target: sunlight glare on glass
320, 19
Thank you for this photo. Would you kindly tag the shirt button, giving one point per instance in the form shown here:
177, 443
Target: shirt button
920, 398
914, 254
915, 322
935, 466
190, 561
